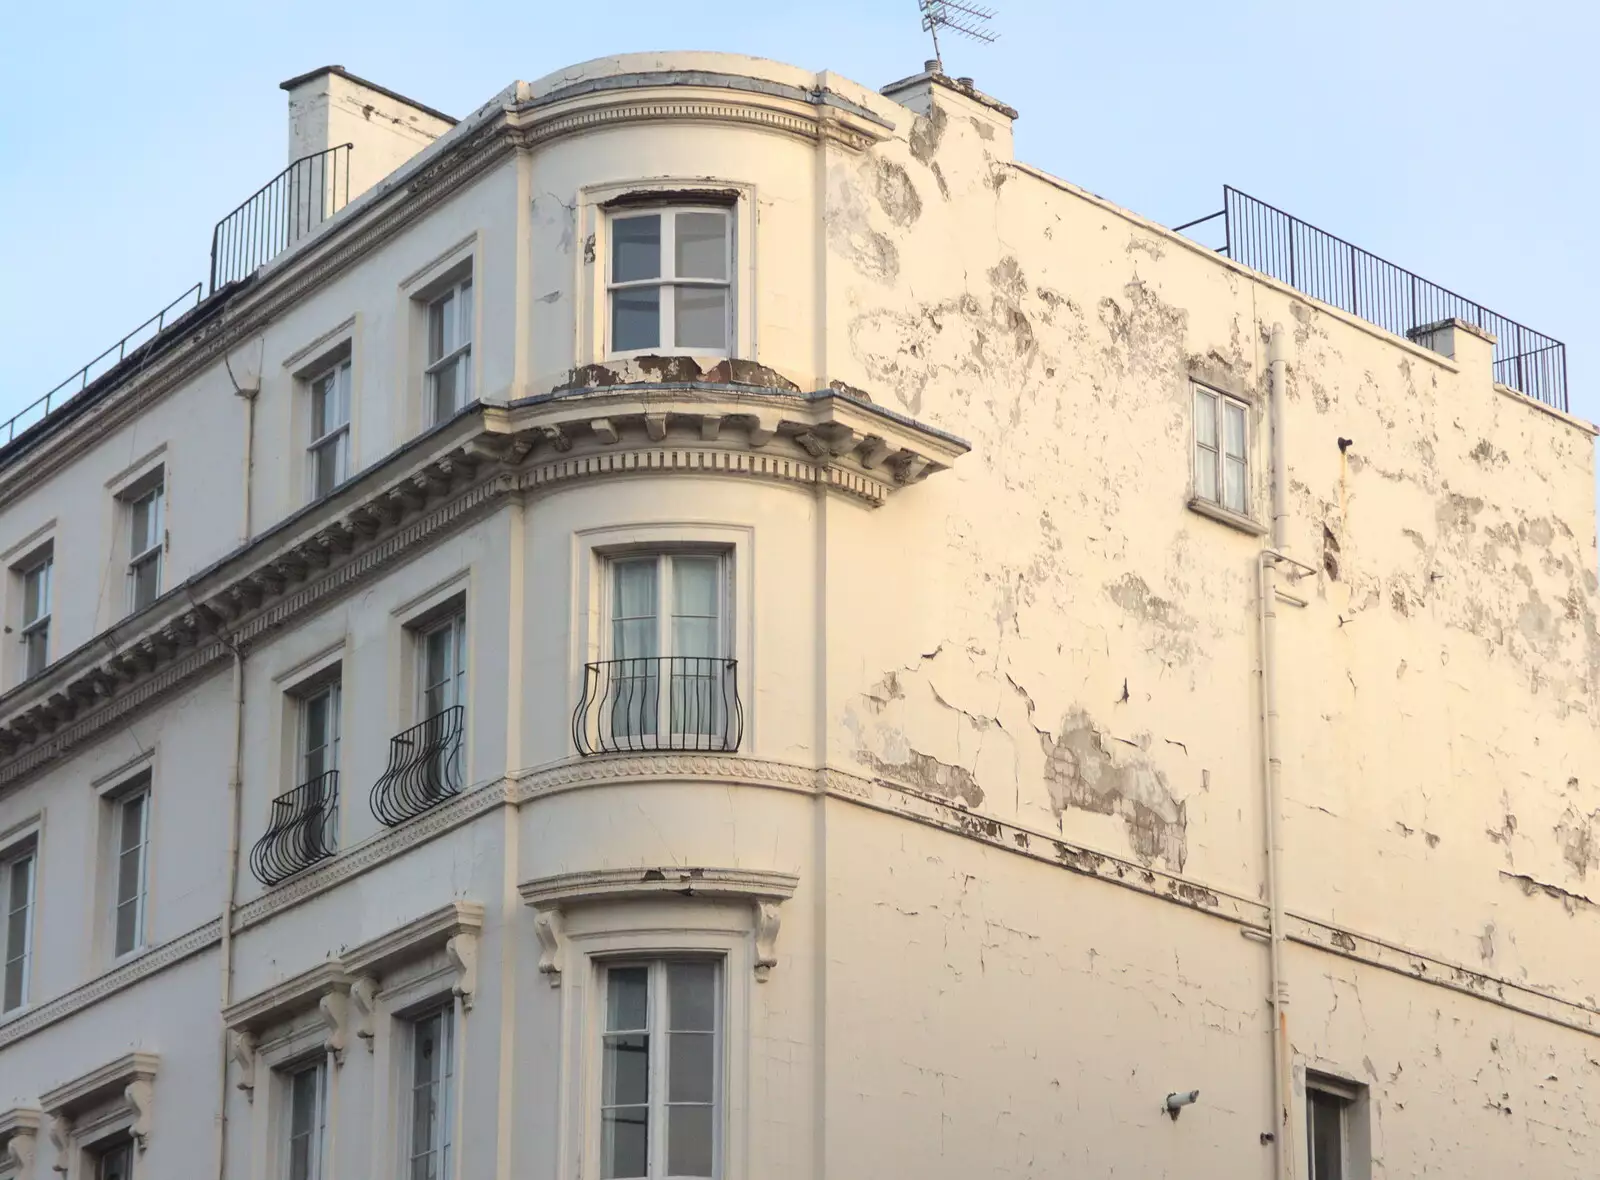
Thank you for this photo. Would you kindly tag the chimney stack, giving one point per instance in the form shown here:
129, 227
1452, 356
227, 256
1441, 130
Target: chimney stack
330, 106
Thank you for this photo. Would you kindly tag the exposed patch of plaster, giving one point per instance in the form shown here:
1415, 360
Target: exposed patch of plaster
896, 195
1081, 772
1573, 903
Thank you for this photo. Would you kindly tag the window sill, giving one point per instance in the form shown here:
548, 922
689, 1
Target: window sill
1221, 515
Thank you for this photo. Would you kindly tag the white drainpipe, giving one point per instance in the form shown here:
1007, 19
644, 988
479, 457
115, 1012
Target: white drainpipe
1268, 596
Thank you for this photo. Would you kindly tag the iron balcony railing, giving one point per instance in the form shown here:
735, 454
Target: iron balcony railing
102, 364
424, 768
280, 213
1328, 268
304, 829
659, 703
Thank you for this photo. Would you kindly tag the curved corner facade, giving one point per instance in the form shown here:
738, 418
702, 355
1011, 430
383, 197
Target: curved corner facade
708, 625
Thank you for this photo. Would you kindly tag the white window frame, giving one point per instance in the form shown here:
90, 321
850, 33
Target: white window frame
444, 1123
666, 281
26, 850
455, 622
119, 802
665, 560
330, 690
99, 1154
1216, 457
336, 439
1348, 1098
154, 549
37, 627
283, 1081
462, 298
658, 1034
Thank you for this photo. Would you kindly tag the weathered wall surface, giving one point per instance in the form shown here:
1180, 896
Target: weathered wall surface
1073, 650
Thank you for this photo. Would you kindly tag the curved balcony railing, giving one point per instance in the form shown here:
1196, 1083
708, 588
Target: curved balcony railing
424, 768
304, 830
659, 703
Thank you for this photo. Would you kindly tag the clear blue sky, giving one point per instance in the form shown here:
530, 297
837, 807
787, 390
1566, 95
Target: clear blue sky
1461, 140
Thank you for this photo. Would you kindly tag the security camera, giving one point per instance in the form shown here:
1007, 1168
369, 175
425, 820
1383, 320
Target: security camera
1176, 1102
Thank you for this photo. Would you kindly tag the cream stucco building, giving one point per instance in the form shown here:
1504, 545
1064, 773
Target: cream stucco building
706, 621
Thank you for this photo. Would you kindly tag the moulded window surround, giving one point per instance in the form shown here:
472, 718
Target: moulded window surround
101, 1122
670, 280
449, 327
585, 939
36, 577
18, 877
328, 452
1221, 451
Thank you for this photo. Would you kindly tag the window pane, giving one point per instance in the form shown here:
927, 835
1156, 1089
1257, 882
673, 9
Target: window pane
36, 593
1205, 474
1233, 429
38, 644
635, 318
625, 1071
1233, 486
689, 1140
636, 248
441, 333
627, 994
691, 1066
132, 833
328, 466
692, 997
143, 513
464, 314
446, 391
146, 582
1325, 1135
702, 246
114, 1163
127, 926
624, 1142
1205, 419
702, 317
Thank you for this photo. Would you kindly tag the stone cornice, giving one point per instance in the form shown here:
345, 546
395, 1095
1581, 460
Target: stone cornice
597, 885
99, 1084
438, 484
419, 937
285, 1000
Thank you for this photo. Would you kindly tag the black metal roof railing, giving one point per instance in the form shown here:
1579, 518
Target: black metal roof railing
280, 213
101, 365
659, 703
424, 768
1265, 238
304, 829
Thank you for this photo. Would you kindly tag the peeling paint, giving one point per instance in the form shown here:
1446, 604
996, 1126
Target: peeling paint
1081, 772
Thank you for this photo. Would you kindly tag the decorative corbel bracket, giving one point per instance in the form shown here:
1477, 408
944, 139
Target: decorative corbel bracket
462, 951
141, 1095
364, 999
334, 1009
61, 1140
243, 1050
766, 936
19, 1153
547, 925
